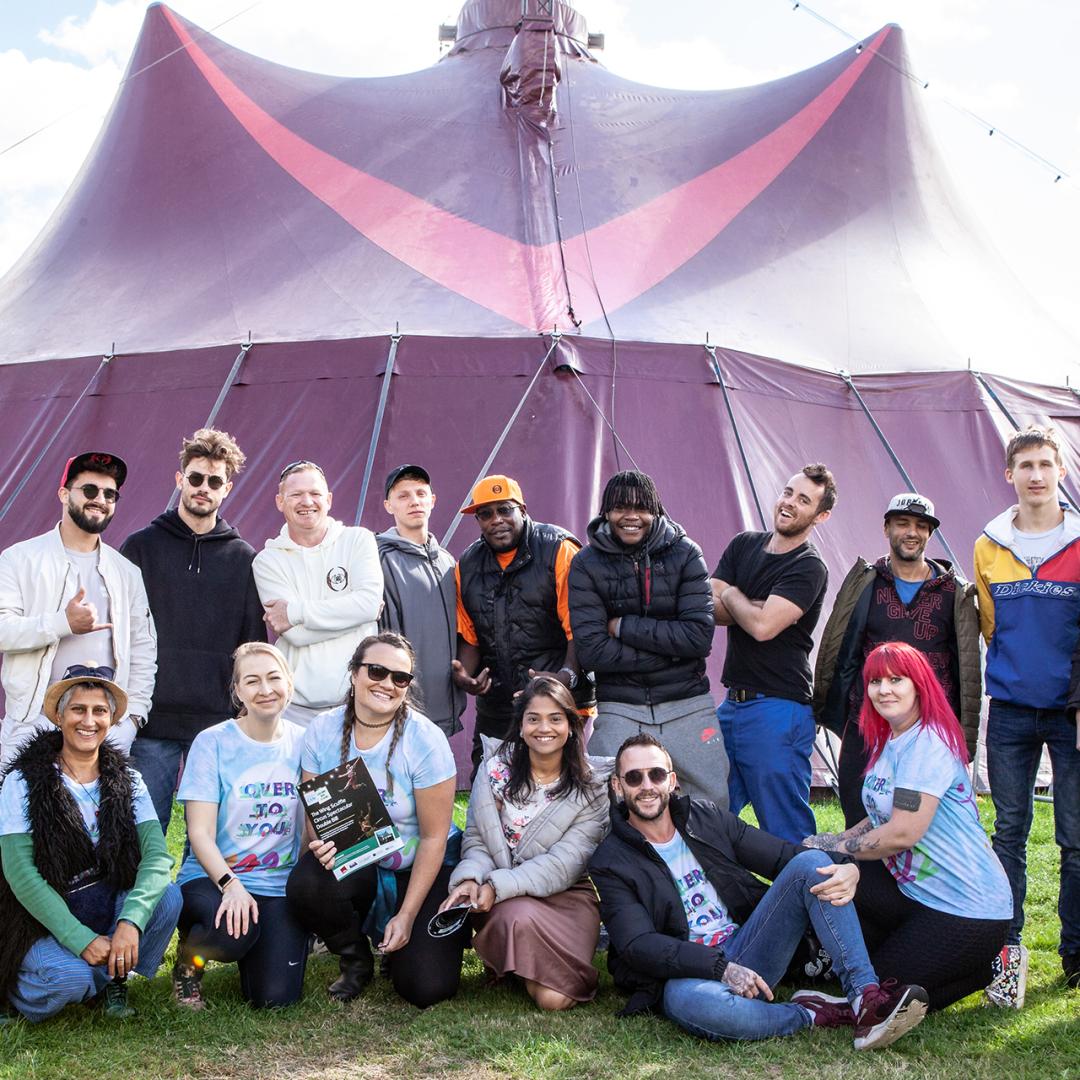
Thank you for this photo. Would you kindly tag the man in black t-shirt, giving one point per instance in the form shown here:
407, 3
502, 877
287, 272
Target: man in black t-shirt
768, 590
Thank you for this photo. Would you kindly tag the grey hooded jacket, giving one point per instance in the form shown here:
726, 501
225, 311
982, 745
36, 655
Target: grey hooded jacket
421, 604
554, 848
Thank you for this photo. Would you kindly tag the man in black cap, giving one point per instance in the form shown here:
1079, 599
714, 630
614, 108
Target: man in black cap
67, 599
419, 596
904, 596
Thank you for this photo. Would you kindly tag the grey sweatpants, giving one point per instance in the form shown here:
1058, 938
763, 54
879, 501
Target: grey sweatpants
689, 732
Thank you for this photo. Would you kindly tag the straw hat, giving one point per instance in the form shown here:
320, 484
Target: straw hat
79, 674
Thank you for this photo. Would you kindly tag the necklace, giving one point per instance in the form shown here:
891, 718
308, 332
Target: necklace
65, 766
364, 723
537, 779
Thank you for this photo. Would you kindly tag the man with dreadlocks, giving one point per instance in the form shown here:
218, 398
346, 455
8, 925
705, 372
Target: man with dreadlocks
641, 612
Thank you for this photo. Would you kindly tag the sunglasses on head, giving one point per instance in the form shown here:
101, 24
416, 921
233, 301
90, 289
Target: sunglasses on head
81, 671
92, 491
297, 466
378, 673
197, 479
636, 777
504, 510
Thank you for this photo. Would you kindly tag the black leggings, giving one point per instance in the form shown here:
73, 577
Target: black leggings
271, 956
947, 955
425, 971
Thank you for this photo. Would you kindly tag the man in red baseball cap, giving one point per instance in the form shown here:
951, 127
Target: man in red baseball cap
513, 607
67, 598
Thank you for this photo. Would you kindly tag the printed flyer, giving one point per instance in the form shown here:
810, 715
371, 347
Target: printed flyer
345, 807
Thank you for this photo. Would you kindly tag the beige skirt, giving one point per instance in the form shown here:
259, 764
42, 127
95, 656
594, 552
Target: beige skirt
550, 940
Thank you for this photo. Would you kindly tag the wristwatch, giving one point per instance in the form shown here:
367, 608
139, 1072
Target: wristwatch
223, 881
138, 721
571, 677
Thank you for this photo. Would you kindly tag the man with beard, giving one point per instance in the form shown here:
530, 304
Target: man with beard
768, 590
68, 600
642, 617
513, 608
697, 936
197, 574
904, 596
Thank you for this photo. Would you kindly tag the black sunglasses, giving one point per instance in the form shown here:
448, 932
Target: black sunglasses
448, 922
377, 673
636, 777
81, 671
92, 491
197, 479
504, 510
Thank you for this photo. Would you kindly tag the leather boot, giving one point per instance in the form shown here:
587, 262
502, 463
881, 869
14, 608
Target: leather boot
357, 968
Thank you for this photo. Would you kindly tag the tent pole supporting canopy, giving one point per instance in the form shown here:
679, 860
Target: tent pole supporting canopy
556, 337
892, 453
711, 350
55, 435
226, 386
376, 428
992, 394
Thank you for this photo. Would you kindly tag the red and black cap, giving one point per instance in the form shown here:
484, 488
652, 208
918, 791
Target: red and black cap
94, 461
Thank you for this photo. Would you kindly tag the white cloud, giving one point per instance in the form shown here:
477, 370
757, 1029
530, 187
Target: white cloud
105, 36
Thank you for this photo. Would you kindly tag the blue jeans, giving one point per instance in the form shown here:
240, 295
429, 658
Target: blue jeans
1015, 735
766, 943
158, 761
769, 742
52, 977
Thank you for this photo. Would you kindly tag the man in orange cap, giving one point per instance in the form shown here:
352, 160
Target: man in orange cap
513, 611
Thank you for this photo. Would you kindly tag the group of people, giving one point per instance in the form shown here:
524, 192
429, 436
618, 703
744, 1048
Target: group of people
606, 782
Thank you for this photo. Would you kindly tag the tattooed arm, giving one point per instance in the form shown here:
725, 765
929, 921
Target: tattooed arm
912, 813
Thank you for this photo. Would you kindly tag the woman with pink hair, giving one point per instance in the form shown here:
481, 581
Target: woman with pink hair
933, 900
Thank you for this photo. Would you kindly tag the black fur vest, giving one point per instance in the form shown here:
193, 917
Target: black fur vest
62, 848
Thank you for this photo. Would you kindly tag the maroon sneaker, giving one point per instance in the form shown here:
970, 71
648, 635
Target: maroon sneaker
887, 1012
828, 1011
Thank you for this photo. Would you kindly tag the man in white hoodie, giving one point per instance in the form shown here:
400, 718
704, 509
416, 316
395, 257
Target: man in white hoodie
68, 599
321, 586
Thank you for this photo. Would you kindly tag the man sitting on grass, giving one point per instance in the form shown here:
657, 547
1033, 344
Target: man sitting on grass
695, 934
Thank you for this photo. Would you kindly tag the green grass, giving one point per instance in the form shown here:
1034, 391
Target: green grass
495, 1032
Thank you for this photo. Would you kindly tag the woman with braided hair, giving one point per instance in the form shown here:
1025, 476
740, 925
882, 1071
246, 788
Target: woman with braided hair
413, 767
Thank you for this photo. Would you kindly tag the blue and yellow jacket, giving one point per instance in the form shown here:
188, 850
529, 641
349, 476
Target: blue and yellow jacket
1031, 622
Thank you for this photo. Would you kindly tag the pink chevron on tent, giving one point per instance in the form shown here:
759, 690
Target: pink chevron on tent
515, 254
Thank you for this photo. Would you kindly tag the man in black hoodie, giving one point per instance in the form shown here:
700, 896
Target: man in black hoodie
197, 572
641, 612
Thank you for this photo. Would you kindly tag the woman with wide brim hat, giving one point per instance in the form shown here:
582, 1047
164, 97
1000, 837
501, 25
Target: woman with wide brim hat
85, 894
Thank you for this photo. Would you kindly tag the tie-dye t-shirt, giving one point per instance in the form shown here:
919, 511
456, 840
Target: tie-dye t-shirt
706, 915
260, 816
14, 819
952, 868
422, 759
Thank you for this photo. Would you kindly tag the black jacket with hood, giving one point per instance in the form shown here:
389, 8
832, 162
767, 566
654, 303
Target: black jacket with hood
204, 602
660, 590
642, 909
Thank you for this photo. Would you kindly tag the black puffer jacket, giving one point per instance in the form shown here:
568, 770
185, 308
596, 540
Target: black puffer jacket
641, 908
516, 615
660, 589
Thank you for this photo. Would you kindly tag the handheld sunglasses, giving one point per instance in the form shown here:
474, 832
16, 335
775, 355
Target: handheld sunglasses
636, 777
197, 479
92, 491
449, 921
377, 673
504, 510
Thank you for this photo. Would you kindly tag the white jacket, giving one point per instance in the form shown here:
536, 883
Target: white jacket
36, 583
334, 592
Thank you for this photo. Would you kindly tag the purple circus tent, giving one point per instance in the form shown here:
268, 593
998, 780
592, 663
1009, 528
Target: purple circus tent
516, 255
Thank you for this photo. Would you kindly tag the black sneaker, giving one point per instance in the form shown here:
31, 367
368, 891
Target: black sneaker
1070, 964
114, 1001
887, 1012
